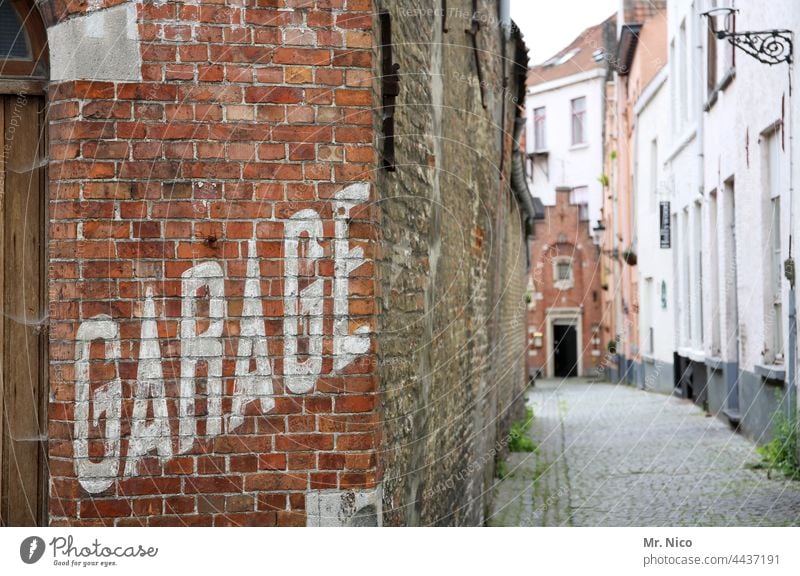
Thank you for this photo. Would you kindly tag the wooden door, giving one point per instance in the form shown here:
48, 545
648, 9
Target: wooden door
23, 477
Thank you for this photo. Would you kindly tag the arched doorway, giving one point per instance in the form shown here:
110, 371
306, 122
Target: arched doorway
23, 377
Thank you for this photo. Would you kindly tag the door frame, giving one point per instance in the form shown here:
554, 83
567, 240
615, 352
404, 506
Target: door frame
30, 78
564, 317
36, 88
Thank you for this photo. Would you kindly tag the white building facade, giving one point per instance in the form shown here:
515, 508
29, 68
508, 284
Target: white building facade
565, 107
683, 166
750, 165
731, 168
653, 206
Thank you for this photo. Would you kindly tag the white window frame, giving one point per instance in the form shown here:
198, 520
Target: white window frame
540, 129
578, 121
566, 283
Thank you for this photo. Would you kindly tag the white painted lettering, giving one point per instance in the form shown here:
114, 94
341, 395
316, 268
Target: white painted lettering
206, 346
97, 476
149, 387
302, 313
251, 386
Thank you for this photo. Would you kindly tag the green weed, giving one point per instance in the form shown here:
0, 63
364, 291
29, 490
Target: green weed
781, 453
519, 441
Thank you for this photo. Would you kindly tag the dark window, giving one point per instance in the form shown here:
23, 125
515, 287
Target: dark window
13, 41
712, 59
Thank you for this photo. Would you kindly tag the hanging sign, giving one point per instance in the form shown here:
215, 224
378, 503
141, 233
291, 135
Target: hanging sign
666, 225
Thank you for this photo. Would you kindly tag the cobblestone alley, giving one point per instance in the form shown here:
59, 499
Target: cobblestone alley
612, 455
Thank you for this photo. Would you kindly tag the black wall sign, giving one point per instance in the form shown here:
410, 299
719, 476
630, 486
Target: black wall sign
666, 226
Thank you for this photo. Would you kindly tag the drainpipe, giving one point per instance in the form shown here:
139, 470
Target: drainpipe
505, 18
791, 391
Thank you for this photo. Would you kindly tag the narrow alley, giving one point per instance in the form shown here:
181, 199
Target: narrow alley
613, 455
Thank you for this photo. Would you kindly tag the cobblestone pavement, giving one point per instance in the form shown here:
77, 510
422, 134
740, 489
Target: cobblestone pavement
612, 455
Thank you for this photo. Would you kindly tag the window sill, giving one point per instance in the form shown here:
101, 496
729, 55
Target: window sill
581, 146
771, 371
695, 355
715, 363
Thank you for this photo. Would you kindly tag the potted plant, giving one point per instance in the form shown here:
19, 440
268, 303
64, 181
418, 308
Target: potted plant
629, 255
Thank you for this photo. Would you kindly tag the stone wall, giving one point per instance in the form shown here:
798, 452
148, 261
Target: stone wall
451, 273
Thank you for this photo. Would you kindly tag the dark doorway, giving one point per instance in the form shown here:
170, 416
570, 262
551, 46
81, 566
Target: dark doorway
565, 351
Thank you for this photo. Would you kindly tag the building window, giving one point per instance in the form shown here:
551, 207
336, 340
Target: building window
683, 74
673, 73
647, 316
540, 129
697, 281
717, 297
777, 280
711, 56
654, 169
579, 121
774, 289
687, 315
719, 55
13, 39
580, 198
22, 41
562, 273
730, 278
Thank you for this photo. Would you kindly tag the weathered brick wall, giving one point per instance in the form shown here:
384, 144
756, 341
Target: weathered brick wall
210, 270
451, 269
222, 257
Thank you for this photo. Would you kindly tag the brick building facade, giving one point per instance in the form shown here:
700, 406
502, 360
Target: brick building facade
250, 321
565, 316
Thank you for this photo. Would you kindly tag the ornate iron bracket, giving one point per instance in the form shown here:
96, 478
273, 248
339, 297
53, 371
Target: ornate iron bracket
768, 46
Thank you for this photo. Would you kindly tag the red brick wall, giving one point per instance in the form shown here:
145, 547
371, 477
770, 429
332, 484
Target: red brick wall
563, 234
248, 118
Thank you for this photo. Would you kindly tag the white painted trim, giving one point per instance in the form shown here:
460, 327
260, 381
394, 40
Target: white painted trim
575, 317
569, 282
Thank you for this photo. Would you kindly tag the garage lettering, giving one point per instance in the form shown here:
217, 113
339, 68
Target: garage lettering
303, 316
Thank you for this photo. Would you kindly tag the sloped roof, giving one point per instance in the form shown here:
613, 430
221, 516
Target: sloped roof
575, 58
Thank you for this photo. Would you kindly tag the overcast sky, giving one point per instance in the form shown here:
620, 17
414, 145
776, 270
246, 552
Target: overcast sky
550, 25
